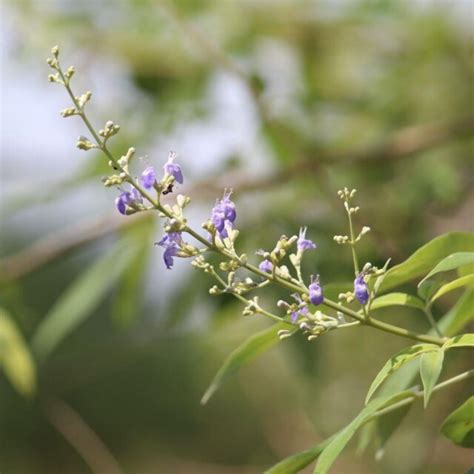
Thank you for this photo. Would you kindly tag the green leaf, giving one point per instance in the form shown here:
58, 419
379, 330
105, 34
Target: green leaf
397, 299
423, 260
466, 270
15, 357
82, 296
246, 352
387, 425
129, 292
381, 428
428, 289
465, 281
293, 464
335, 447
431, 364
463, 340
379, 280
366, 434
451, 323
451, 262
459, 425
395, 363
459, 315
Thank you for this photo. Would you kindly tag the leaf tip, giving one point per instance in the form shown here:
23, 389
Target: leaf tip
207, 395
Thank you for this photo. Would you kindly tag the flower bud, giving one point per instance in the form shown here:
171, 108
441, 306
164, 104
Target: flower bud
315, 292
361, 291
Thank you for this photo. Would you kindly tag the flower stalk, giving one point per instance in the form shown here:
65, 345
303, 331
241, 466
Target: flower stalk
223, 234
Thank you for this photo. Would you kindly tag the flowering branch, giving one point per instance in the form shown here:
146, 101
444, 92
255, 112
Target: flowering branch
222, 236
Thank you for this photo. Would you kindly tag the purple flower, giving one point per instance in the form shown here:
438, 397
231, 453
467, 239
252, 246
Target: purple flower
266, 266
121, 204
360, 289
148, 177
172, 169
170, 238
302, 308
299, 312
228, 207
315, 292
223, 214
304, 243
170, 251
128, 199
171, 242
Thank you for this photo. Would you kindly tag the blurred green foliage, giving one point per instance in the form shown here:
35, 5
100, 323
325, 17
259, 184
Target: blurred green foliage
375, 95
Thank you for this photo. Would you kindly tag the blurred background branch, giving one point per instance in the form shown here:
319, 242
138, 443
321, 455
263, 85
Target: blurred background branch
81, 437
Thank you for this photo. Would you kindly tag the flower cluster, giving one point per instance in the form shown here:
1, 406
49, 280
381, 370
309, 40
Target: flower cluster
234, 273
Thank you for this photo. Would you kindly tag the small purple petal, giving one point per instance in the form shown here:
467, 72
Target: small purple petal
135, 197
168, 255
121, 204
162, 242
266, 266
299, 312
228, 207
218, 218
171, 242
170, 238
173, 169
223, 215
148, 177
304, 243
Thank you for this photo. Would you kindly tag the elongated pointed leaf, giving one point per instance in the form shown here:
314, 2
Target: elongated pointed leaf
247, 351
466, 270
397, 299
295, 463
463, 340
431, 364
451, 323
465, 281
381, 429
82, 296
15, 357
461, 314
428, 289
395, 363
387, 424
459, 425
129, 292
426, 257
451, 262
335, 447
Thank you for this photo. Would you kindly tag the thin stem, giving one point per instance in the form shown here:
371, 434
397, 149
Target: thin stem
349, 325
259, 310
81, 436
348, 312
352, 241
101, 143
419, 394
432, 321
